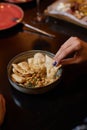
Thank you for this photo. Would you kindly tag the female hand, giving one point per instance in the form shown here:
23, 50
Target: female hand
72, 45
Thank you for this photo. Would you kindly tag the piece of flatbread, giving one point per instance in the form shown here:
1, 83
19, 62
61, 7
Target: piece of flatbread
51, 70
17, 78
24, 65
37, 63
19, 69
39, 59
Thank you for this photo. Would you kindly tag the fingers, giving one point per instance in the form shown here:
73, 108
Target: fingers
71, 45
68, 61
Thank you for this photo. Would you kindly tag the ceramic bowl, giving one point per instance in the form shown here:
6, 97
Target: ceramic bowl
31, 90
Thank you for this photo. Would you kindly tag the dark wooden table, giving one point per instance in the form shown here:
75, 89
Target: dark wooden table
59, 109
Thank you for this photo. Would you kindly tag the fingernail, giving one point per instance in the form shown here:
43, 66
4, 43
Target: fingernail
55, 63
